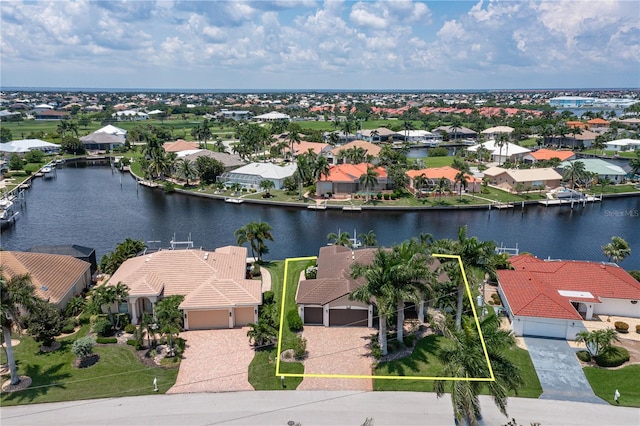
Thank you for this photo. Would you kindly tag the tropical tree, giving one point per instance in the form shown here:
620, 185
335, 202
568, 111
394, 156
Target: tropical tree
293, 137
267, 185
16, 294
574, 172
597, 341
187, 170
340, 239
461, 180
501, 141
255, 233
419, 183
443, 184
368, 239
463, 357
635, 164
369, 180
321, 167
262, 333
127, 249
169, 318
44, 322
617, 250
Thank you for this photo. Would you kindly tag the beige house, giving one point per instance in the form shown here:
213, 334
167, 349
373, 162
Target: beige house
509, 179
56, 278
217, 292
368, 148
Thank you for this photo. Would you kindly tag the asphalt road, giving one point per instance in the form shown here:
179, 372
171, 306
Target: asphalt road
307, 408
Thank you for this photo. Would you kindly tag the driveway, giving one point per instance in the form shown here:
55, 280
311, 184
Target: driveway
215, 361
559, 371
337, 350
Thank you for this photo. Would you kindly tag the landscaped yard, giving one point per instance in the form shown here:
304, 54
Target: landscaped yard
117, 373
604, 382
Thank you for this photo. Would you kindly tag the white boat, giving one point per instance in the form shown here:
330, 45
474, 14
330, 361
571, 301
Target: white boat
47, 171
569, 194
7, 211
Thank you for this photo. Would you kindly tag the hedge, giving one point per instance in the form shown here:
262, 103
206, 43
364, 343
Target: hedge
615, 356
294, 320
621, 326
583, 356
106, 340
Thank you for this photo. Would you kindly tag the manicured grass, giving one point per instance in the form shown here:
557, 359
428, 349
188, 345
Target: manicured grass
117, 373
424, 362
611, 189
438, 161
604, 383
262, 372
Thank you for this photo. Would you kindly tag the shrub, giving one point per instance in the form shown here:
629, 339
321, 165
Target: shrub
621, 326
134, 343
299, 347
255, 270
376, 351
69, 326
638, 328
83, 347
84, 318
106, 340
583, 356
169, 187
311, 272
408, 340
102, 327
387, 197
613, 357
268, 297
129, 328
294, 320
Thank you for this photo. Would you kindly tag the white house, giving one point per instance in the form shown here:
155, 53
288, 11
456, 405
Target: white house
112, 130
500, 154
602, 168
552, 298
23, 146
623, 145
130, 115
493, 132
272, 116
252, 174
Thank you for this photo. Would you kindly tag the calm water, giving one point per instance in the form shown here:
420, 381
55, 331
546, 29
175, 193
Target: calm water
97, 208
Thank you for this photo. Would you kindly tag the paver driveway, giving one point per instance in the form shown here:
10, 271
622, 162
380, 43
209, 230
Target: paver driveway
215, 361
337, 350
559, 371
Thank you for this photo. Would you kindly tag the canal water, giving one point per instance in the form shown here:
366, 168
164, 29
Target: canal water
98, 207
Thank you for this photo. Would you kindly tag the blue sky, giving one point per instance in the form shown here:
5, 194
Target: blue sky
307, 44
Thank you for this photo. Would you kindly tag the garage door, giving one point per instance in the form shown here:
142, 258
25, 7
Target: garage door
542, 328
313, 315
349, 317
203, 320
243, 316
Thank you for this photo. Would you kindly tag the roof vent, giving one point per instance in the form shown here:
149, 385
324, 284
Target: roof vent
206, 256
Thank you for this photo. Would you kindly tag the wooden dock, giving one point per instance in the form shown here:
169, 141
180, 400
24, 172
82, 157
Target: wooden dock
503, 206
571, 202
317, 207
233, 200
351, 208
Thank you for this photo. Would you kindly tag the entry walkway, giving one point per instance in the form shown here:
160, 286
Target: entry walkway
559, 371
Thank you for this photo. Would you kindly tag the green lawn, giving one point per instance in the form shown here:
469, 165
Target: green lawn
118, 373
424, 362
604, 383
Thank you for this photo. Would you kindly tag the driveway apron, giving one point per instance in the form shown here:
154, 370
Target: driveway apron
214, 361
559, 371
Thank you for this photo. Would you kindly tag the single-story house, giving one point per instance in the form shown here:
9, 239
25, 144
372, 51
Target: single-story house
434, 174
367, 147
380, 134
602, 168
130, 115
112, 130
23, 146
303, 147
584, 139
459, 132
515, 179
74, 250
509, 151
56, 278
229, 161
50, 115
180, 145
99, 141
547, 154
345, 179
494, 132
234, 115
598, 124
250, 175
623, 145
216, 292
423, 136
272, 116
551, 298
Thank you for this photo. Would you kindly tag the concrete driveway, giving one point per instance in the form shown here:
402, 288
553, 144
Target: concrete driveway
337, 350
215, 361
559, 371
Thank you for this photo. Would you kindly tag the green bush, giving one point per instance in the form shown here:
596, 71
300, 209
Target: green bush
106, 340
376, 351
638, 328
294, 320
621, 326
69, 326
102, 327
613, 357
408, 340
83, 347
129, 328
268, 297
134, 343
299, 347
583, 356
84, 318
169, 187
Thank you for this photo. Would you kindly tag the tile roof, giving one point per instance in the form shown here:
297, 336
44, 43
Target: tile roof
368, 147
548, 154
180, 145
534, 287
52, 275
206, 279
439, 172
352, 172
525, 175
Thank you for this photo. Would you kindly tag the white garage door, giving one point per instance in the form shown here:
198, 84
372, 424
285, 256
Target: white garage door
542, 328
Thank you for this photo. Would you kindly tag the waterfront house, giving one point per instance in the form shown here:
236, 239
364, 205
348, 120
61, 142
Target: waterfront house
229, 161
23, 146
602, 169
523, 179
623, 145
455, 133
217, 293
99, 141
74, 250
598, 125
304, 147
333, 155
250, 175
494, 132
130, 115
499, 154
271, 117
55, 277
112, 130
344, 179
434, 174
545, 154
380, 134
180, 145
551, 298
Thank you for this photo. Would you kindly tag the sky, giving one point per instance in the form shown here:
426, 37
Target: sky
307, 44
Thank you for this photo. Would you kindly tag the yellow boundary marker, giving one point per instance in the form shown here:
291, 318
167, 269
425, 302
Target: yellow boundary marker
491, 377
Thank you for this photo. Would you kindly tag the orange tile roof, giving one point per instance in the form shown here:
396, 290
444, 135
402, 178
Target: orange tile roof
304, 146
446, 172
548, 154
179, 145
532, 288
598, 120
52, 275
574, 124
367, 146
351, 172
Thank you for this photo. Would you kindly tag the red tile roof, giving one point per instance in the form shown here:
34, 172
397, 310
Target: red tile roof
533, 288
440, 172
352, 172
548, 154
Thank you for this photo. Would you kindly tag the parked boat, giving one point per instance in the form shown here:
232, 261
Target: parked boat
569, 194
7, 211
47, 171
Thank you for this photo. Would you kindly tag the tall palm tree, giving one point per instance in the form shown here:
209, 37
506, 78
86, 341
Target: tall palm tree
15, 294
617, 250
267, 185
501, 141
443, 184
187, 169
461, 180
375, 135
464, 357
574, 172
293, 137
255, 233
369, 180
321, 167
419, 183
339, 239
368, 239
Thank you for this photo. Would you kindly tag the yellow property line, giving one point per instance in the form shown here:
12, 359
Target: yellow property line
351, 376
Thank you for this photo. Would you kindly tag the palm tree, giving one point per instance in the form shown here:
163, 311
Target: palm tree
267, 185
464, 357
369, 180
255, 233
617, 250
574, 172
340, 239
169, 317
15, 294
501, 141
321, 167
187, 170
461, 180
368, 239
597, 341
105, 295
375, 135
635, 164
442, 185
419, 183
293, 137
407, 125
